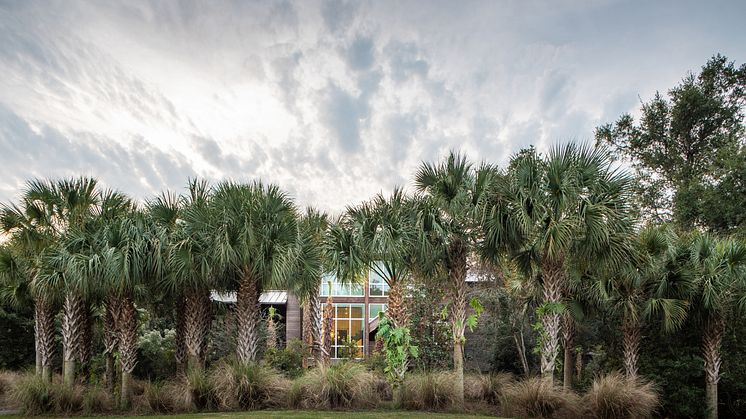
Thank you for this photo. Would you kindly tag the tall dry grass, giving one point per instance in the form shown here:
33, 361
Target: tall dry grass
429, 391
616, 396
539, 398
344, 385
240, 386
486, 387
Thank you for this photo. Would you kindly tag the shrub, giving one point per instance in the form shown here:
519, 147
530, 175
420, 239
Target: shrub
97, 400
155, 355
159, 398
247, 386
67, 399
289, 360
539, 398
33, 395
616, 396
341, 385
486, 387
429, 391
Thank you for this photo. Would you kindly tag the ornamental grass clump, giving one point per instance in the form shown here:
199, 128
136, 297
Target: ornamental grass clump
33, 395
97, 400
340, 386
539, 398
615, 396
160, 398
195, 392
248, 386
430, 391
486, 387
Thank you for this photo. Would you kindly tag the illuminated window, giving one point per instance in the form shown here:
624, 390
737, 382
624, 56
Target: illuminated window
338, 289
377, 287
348, 332
374, 309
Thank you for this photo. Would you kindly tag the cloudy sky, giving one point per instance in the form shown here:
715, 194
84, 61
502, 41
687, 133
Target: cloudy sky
333, 100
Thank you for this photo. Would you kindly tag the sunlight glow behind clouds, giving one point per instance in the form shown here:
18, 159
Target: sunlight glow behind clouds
333, 100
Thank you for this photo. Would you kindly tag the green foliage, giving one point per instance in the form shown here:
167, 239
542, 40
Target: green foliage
288, 360
18, 339
398, 348
34, 396
429, 333
155, 359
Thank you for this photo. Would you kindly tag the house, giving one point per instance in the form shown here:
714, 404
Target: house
356, 308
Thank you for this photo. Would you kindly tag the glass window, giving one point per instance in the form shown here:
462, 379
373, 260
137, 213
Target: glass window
348, 331
374, 309
377, 287
338, 289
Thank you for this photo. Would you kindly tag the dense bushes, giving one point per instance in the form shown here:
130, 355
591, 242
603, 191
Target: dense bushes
288, 360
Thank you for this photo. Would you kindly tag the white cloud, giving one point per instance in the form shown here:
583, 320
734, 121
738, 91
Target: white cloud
333, 100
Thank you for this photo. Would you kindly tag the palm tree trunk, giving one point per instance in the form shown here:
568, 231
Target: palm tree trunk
307, 333
326, 331
631, 344
247, 312
568, 335
397, 309
127, 345
457, 278
44, 323
111, 340
85, 347
197, 321
553, 275
180, 338
37, 345
316, 325
711, 344
72, 326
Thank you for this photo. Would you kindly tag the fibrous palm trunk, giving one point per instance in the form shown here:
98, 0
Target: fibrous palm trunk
457, 278
316, 325
397, 309
180, 338
73, 319
127, 345
248, 317
568, 335
631, 344
197, 319
553, 275
307, 333
326, 331
711, 344
44, 323
111, 340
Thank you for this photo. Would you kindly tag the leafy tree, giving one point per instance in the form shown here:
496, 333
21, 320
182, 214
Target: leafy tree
688, 148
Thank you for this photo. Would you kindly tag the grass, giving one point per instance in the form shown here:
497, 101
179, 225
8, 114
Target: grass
278, 414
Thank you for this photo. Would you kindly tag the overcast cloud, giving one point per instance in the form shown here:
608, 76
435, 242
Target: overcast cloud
333, 100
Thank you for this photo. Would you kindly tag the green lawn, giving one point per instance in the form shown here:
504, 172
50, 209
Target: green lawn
281, 414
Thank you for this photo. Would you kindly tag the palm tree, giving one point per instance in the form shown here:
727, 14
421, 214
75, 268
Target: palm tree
32, 230
547, 211
651, 285
310, 268
191, 266
255, 236
719, 266
454, 190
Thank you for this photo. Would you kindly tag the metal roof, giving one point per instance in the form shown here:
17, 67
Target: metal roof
267, 297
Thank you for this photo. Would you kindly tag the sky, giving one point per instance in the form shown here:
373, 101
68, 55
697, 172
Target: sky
332, 100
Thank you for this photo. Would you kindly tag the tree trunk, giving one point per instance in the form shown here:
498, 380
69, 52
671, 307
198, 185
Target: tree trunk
197, 321
397, 309
520, 345
37, 346
307, 333
180, 338
127, 345
553, 275
111, 340
44, 323
568, 335
631, 344
85, 348
316, 326
457, 278
247, 312
578, 365
326, 330
711, 344
72, 326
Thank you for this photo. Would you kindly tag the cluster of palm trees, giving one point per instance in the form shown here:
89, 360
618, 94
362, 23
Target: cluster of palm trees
562, 220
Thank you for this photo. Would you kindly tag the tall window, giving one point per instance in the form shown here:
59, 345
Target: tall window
377, 287
374, 309
347, 337
338, 289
